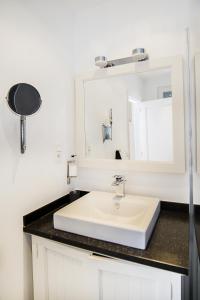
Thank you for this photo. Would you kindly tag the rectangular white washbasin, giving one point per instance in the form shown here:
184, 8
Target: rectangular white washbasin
128, 220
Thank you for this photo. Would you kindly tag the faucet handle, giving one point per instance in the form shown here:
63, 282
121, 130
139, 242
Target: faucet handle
119, 178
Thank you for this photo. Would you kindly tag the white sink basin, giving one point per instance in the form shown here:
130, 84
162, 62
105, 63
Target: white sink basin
128, 221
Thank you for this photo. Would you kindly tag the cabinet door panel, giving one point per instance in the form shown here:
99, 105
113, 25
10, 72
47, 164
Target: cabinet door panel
117, 286
65, 277
61, 274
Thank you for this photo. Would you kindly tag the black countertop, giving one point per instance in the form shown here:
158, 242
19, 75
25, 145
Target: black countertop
167, 248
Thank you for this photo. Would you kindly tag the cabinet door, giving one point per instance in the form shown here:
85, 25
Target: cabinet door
62, 272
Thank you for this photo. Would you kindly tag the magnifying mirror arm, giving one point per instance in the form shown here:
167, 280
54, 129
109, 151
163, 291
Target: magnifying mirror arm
23, 133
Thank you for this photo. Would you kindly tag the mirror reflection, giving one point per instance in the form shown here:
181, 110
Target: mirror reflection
130, 117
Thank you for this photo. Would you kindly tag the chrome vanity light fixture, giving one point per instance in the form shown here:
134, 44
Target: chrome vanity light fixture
138, 54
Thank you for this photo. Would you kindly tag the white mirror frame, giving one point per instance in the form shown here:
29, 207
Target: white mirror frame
178, 165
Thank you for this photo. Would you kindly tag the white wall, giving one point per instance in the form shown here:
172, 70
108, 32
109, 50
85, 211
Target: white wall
35, 48
101, 96
114, 28
153, 83
41, 43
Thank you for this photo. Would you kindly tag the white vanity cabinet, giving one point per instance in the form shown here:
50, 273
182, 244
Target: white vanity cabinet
62, 272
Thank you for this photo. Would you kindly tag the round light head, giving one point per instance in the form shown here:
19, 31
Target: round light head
101, 61
139, 54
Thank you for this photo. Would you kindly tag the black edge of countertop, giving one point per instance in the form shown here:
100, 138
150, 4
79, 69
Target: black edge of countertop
167, 249
52, 206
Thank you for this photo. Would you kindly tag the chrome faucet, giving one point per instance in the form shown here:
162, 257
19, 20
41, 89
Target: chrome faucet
119, 185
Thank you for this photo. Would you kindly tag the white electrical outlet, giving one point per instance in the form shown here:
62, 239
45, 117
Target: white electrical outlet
59, 154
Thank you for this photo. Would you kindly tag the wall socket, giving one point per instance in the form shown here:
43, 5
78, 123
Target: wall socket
59, 154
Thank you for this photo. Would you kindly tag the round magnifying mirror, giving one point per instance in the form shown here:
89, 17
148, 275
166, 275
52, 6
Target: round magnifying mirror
24, 100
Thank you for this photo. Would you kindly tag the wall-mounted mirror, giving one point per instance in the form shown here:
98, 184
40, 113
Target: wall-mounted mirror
134, 113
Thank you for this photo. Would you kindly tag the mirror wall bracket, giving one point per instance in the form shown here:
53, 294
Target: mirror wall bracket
23, 133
